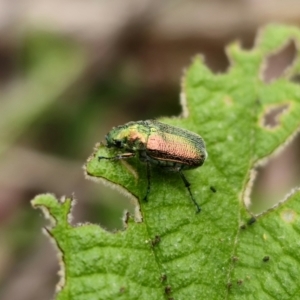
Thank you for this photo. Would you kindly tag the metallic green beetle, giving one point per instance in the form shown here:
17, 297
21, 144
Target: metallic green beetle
169, 147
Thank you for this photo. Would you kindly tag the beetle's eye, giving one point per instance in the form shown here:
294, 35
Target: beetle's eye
118, 144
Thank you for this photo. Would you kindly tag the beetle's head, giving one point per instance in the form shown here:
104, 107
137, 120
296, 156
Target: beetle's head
131, 136
116, 138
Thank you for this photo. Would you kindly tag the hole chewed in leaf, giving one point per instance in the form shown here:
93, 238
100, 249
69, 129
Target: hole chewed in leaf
273, 179
277, 63
271, 116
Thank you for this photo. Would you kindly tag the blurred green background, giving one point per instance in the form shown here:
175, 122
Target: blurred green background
69, 72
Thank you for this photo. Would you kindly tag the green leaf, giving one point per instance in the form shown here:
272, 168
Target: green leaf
169, 252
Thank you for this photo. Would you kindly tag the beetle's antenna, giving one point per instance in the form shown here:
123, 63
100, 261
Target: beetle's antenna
187, 185
103, 157
149, 181
120, 156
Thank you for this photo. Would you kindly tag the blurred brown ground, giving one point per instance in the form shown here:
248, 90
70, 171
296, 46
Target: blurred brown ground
134, 53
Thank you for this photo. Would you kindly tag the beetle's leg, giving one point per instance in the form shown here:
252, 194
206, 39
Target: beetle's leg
187, 185
120, 156
149, 180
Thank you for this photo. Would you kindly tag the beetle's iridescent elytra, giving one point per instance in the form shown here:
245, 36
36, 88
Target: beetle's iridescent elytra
168, 147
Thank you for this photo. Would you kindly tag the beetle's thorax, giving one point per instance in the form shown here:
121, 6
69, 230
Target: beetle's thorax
136, 140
